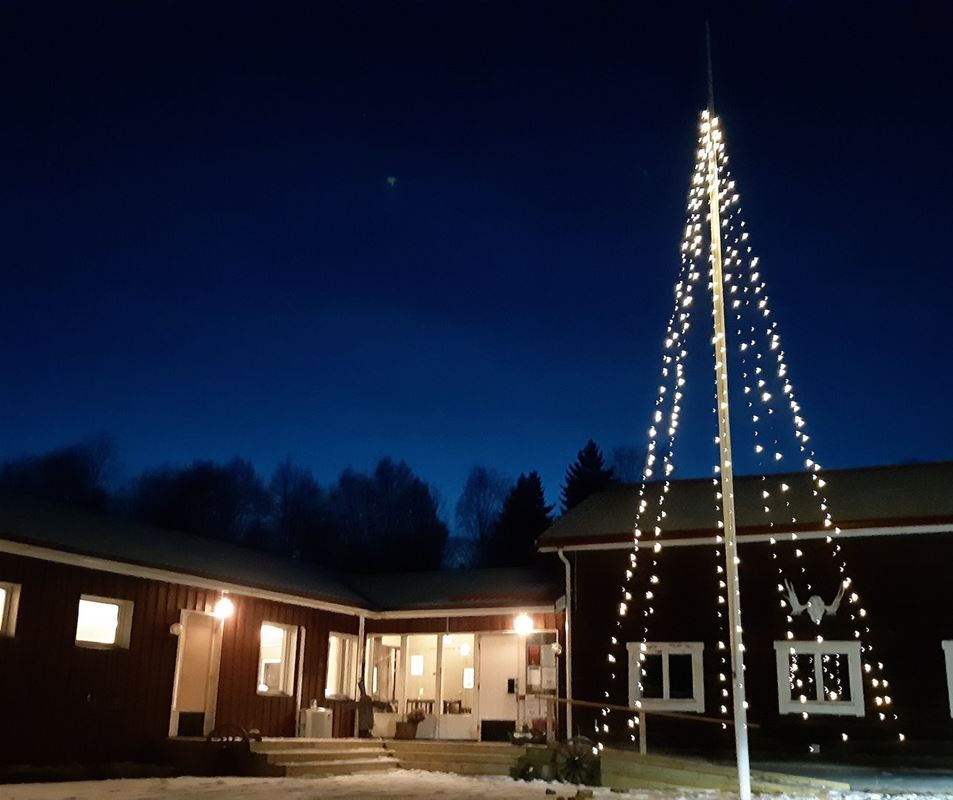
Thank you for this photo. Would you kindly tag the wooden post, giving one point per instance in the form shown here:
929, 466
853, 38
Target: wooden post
643, 735
727, 473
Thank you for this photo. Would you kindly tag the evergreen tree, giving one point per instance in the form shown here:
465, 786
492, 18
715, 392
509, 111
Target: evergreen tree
587, 475
523, 518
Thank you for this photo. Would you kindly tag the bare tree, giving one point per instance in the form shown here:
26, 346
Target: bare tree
481, 502
77, 475
627, 463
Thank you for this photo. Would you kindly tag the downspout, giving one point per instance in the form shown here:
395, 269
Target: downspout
360, 669
568, 639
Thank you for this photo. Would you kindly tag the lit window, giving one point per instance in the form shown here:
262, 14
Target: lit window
416, 665
103, 622
9, 599
666, 675
342, 666
820, 678
383, 665
276, 658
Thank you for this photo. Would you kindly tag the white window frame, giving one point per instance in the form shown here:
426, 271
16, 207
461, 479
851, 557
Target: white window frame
845, 708
8, 618
665, 649
289, 655
349, 692
947, 646
123, 624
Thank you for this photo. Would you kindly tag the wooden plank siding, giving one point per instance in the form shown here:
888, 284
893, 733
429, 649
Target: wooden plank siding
904, 585
64, 702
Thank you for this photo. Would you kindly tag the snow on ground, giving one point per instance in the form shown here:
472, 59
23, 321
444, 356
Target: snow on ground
390, 785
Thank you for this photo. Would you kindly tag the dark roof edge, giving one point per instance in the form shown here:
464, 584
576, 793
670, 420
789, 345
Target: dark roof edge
567, 542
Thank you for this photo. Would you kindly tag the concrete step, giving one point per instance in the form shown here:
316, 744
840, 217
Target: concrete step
295, 743
303, 769
441, 755
451, 746
291, 756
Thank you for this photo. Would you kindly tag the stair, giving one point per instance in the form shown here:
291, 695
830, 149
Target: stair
300, 758
460, 757
623, 769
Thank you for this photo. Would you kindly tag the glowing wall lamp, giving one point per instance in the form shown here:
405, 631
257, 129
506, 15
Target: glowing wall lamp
224, 608
523, 624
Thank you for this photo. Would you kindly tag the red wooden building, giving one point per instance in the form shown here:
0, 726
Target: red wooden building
116, 637
881, 647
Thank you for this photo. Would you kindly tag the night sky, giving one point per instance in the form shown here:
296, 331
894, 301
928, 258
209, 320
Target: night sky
203, 256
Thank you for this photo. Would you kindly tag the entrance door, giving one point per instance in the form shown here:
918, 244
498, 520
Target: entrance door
195, 689
499, 671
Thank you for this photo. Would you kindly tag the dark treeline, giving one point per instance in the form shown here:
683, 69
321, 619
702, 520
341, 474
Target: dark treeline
386, 520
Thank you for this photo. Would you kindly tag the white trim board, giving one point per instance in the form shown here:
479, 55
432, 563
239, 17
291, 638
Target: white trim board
753, 538
696, 650
851, 648
171, 576
947, 646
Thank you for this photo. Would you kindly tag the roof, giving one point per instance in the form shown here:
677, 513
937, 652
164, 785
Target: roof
68, 530
907, 494
462, 588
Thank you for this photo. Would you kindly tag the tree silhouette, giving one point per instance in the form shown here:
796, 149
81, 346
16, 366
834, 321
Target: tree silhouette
384, 522
76, 475
587, 475
523, 518
627, 463
218, 501
480, 502
298, 517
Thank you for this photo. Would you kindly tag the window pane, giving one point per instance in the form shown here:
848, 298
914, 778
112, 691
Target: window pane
802, 677
457, 673
836, 677
3, 610
383, 661
276, 658
652, 675
342, 667
680, 683
421, 684
97, 622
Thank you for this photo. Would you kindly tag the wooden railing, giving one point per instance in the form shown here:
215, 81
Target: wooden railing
642, 713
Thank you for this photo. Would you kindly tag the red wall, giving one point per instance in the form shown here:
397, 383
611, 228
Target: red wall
62, 702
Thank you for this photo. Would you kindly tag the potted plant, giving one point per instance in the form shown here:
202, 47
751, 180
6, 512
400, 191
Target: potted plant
408, 728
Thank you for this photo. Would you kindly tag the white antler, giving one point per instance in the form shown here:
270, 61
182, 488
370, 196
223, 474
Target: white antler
796, 605
832, 608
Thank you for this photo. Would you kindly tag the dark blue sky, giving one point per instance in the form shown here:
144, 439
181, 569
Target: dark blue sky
203, 257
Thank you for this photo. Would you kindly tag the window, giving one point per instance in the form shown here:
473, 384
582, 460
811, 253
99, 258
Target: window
456, 673
383, 663
276, 659
820, 678
342, 666
948, 652
103, 622
9, 600
669, 677
420, 682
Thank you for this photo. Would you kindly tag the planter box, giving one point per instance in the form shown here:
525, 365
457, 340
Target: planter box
405, 730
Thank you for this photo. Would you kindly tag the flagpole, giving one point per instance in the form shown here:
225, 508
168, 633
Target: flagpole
727, 471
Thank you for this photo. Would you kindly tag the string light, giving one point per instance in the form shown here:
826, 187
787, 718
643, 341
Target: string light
763, 364
769, 333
